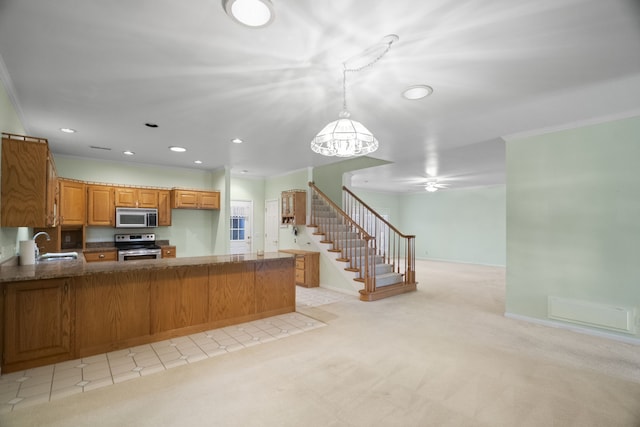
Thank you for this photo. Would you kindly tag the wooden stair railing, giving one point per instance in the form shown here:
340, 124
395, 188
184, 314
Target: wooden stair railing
357, 247
396, 248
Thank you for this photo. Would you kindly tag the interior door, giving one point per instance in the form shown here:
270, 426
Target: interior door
240, 227
271, 226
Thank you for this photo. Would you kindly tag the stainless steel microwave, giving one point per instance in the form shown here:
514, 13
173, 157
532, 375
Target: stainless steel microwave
136, 218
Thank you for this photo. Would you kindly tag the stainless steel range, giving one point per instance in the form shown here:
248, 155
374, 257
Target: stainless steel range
133, 247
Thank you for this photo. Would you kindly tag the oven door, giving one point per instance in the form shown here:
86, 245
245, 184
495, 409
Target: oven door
137, 254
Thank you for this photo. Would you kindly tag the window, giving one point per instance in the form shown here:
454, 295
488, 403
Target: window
237, 227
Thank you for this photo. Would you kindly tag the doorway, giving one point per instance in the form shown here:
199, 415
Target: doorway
240, 227
271, 226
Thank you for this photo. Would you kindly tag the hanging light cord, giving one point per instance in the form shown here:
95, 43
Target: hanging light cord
387, 41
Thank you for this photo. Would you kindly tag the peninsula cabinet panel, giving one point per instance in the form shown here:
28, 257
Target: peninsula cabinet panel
275, 286
112, 311
37, 323
100, 205
232, 291
179, 298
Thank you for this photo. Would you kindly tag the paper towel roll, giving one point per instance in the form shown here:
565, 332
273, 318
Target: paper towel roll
27, 252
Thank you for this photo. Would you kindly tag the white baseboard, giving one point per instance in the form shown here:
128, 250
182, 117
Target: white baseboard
574, 328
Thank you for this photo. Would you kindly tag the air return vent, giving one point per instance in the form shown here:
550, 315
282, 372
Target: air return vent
610, 317
100, 148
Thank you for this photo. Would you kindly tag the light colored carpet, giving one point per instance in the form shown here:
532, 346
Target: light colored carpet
443, 356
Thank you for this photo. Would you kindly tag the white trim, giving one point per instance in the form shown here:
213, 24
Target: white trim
578, 329
572, 125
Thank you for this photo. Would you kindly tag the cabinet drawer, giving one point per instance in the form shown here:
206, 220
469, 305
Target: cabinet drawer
168, 251
300, 263
101, 256
299, 276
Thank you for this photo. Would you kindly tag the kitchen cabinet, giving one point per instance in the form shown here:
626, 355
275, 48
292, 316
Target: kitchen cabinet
29, 193
73, 204
112, 311
102, 309
100, 205
164, 208
294, 207
307, 267
132, 197
37, 323
195, 199
168, 251
106, 255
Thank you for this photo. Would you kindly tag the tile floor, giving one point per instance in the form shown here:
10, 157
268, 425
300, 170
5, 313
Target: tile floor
38, 385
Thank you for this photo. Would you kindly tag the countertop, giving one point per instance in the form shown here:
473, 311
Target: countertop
79, 267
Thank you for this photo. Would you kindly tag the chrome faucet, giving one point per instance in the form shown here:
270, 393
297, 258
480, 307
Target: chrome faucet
35, 236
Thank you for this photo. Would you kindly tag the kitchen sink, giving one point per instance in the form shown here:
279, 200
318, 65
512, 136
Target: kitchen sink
58, 256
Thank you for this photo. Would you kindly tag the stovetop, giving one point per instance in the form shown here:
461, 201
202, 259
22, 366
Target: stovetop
136, 241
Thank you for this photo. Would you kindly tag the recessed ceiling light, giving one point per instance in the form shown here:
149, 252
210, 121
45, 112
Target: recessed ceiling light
178, 149
252, 13
68, 130
151, 125
198, 162
128, 153
236, 141
417, 92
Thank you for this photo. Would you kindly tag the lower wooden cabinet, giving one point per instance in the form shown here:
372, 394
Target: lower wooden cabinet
52, 320
168, 251
37, 323
107, 255
307, 267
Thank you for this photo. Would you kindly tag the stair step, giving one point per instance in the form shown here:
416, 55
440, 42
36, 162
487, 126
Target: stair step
388, 279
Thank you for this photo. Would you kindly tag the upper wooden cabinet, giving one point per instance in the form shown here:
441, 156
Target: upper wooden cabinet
136, 197
294, 207
195, 199
164, 207
100, 205
73, 202
29, 183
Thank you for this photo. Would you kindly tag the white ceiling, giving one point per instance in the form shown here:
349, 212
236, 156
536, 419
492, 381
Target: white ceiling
498, 68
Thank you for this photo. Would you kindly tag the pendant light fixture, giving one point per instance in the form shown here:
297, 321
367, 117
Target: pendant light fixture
345, 137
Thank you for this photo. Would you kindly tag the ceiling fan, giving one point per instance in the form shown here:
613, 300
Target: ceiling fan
432, 185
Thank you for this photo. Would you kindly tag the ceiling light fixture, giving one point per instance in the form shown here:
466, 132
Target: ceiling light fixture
197, 162
417, 92
177, 149
431, 187
251, 13
128, 153
345, 137
236, 141
68, 130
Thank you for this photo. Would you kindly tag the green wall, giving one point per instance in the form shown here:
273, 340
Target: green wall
466, 225
328, 178
573, 210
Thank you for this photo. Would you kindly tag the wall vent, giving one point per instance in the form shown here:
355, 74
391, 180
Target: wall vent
610, 317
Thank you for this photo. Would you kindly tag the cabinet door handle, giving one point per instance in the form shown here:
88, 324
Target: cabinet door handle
101, 256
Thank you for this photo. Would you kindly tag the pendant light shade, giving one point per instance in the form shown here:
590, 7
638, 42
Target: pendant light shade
344, 138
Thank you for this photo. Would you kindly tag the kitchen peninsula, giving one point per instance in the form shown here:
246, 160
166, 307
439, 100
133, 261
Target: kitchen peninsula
64, 310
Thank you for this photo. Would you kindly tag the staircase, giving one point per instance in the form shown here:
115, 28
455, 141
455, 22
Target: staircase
382, 258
